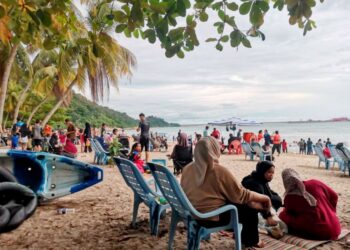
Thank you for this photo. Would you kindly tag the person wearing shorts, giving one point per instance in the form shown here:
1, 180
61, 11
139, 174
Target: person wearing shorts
144, 127
37, 137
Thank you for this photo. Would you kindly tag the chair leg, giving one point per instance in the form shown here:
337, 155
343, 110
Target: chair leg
155, 218
194, 235
137, 202
237, 230
173, 224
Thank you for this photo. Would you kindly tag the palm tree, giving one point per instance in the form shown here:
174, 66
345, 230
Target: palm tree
97, 57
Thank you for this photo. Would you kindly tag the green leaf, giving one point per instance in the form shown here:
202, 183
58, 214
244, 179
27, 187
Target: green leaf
49, 44
83, 41
231, 21
224, 39
245, 8
217, 6
189, 19
222, 15
120, 16
172, 21
136, 12
264, 6
279, 4
181, 8
256, 17
211, 40
219, 47
44, 17
2, 12
176, 34
232, 6
203, 16
236, 38
180, 54
246, 43
120, 28
136, 33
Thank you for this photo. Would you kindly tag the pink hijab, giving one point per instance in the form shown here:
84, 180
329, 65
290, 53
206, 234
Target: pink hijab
293, 184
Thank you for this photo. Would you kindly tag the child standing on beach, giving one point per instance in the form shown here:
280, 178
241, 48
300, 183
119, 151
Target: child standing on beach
284, 146
135, 157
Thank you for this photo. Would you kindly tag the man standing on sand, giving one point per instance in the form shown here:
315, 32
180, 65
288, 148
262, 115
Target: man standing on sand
144, 127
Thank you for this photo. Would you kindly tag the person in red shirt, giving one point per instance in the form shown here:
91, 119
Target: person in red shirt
309, 208
276, 139
327, 155
284, 146
215, 134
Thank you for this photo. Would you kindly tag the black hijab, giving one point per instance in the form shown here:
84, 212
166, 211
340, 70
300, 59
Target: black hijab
261, 168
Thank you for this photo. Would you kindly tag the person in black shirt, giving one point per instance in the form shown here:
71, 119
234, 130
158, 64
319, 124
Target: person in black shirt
144, 127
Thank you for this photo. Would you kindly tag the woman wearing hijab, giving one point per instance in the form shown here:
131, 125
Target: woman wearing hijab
87, 137
309, 208
258, 181
209, 186
182, 153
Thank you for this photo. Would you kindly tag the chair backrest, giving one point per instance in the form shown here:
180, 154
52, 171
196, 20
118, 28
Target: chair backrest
159, 161
171, 190
133, 178
344, 154
257, 148
246, 148
99, 146
335, 154
94, 146
319, 152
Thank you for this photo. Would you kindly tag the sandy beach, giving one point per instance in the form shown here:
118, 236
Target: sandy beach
103, 213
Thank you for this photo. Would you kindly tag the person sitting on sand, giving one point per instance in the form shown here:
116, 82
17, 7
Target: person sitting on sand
309, 208
327, 155
215, 134
135, 157
182, 154
209, 186
258, 181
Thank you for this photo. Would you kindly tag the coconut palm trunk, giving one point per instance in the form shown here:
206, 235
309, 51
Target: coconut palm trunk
59, 103
22, 97
36, 109
4, 81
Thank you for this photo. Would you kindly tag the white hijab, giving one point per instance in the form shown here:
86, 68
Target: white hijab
206, 155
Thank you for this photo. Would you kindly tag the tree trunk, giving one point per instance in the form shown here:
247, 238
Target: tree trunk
58, 104
4, 81
22, 97
7, 116
36, 109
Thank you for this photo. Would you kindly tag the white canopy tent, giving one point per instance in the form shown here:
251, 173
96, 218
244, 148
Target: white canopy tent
234, 121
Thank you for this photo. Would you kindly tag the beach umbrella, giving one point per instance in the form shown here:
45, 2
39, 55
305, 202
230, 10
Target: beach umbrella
234, 121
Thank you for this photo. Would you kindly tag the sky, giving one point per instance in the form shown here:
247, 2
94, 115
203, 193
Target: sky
286, 77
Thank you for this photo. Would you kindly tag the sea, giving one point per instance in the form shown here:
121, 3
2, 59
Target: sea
292, 132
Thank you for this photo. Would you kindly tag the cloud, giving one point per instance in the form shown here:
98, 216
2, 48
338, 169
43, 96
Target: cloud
286, 77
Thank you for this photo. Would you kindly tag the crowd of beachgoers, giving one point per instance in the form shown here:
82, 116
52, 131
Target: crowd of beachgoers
207, 182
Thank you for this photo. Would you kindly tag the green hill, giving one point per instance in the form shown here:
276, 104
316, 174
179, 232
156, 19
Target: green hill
82, 110
159, 122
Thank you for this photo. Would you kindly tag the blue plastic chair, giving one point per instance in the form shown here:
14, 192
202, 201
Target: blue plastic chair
97, 155
321, 157
159, 161
336, 157
248, 151
345, 157
142, 193
182, 210
258, 150
104, 155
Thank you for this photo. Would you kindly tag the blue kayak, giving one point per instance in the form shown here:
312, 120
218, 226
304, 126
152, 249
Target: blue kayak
50, 176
